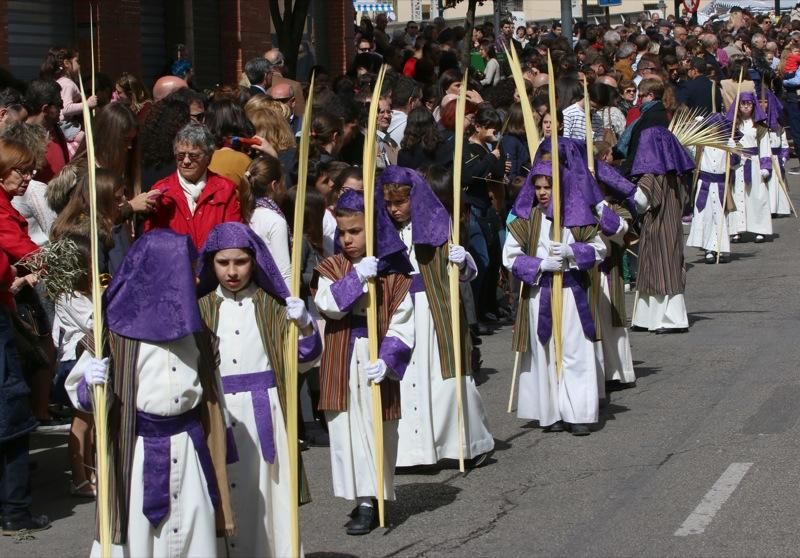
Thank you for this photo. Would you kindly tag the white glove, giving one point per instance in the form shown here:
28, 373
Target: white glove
599, 207
296, 311
96, 372
376, 371
551, 263
458, 255
367, 268
765, 173
561, 250
731, 143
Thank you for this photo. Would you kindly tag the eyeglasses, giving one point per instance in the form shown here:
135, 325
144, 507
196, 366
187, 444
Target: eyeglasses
630, 91
25, 173
283, 99
647, 68
198, 116
193, 157
363, 49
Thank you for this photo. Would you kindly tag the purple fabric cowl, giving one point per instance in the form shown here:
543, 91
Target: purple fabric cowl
572, 156
152, 297
429, 216
619, 187
659, 153
389, 247
758, 113
226, 236
774, 110
575, 210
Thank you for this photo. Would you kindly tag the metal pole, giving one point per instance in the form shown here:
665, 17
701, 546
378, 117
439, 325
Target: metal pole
585, 10
777, 8
440, 8
497, 7
566, 19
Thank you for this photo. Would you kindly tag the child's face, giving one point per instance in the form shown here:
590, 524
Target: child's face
764, 104
398, 203
234, 268
543, 190
746, 109
547, 122
352, 236
353, 184
324, 184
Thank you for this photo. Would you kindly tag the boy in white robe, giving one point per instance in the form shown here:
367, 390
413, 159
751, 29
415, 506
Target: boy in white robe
779, 203
708, 206
248, 307
346, 371
168, 448
429, 426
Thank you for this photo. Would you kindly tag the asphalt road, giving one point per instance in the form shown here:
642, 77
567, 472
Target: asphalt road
699, 459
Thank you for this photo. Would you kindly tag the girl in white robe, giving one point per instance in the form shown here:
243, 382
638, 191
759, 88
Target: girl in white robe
429, 426
245, 283
572, 396
750, 191
708, 202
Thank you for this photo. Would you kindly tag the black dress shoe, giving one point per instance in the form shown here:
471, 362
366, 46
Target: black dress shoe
638, 328
555, 427
30, 524
478, 460
364, 522
580, 430
664, 330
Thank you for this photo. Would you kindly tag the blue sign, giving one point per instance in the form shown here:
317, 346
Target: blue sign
608, 3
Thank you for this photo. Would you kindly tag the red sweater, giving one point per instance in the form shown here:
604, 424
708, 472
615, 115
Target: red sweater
217, 204
14, 245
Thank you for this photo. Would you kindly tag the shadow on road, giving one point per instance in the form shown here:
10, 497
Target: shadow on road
416, 498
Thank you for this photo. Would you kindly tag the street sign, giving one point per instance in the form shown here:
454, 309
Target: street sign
609, 3
416, 10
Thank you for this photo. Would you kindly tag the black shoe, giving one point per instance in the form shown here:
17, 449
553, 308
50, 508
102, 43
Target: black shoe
483, 329
638, 328
724, 258
735, 239
303, 445
364, 522
318, 438
555, 427
759, 239
53, 424
489, 317
580, 430
29, 524
711, 257
664, 330
478, 460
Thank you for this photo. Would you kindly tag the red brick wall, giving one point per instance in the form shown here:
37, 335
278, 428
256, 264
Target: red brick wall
245, 33
340, 38
4, 33
117, 36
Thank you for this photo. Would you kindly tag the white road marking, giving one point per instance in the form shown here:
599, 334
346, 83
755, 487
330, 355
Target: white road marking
40, 450
705, 511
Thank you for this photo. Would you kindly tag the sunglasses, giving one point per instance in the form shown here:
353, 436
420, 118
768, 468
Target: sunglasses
630, 91
193, 157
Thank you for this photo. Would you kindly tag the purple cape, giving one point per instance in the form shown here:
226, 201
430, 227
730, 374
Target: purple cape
389, 247
152, 297
774, 110
758, 113
236, 235
572, 155
660, 152
430, 218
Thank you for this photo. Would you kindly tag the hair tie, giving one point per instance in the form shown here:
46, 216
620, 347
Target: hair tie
247, 174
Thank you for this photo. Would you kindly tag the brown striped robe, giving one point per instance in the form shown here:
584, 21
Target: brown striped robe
661, 266
334, 368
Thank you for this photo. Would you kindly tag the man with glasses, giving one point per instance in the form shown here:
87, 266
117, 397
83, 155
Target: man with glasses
278, 68
194, 200
282, 92
412, 31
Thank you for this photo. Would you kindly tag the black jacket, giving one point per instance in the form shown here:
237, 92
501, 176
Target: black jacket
696, 93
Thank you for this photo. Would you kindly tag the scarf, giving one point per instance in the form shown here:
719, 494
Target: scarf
192, 191
625, 138
269, 203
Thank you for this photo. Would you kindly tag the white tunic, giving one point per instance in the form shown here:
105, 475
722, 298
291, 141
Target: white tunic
752, 203
572, 397
704, 232
259, 490
778, 201
328, 233
168, 385
352, 441
615, 340
274, 231
428, 429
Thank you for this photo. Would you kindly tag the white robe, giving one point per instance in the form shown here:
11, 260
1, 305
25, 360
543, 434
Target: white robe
428, 429
752, 203
615, 340
259, 490
778, 201
168, 385
274, 231
572, 397
704, 232
352, 440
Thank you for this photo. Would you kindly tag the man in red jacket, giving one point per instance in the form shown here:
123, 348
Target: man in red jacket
194, 200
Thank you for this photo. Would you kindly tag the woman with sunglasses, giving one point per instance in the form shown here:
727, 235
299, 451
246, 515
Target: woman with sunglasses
627, 96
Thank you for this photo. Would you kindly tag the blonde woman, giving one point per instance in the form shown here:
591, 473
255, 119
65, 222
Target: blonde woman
270, 119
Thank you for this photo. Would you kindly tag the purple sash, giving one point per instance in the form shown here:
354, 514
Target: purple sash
572, 281
749, 153
417, 284
156, 432
706, 180
257, 385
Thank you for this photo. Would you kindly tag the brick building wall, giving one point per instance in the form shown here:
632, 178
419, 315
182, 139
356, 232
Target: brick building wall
4, 33
245, 33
